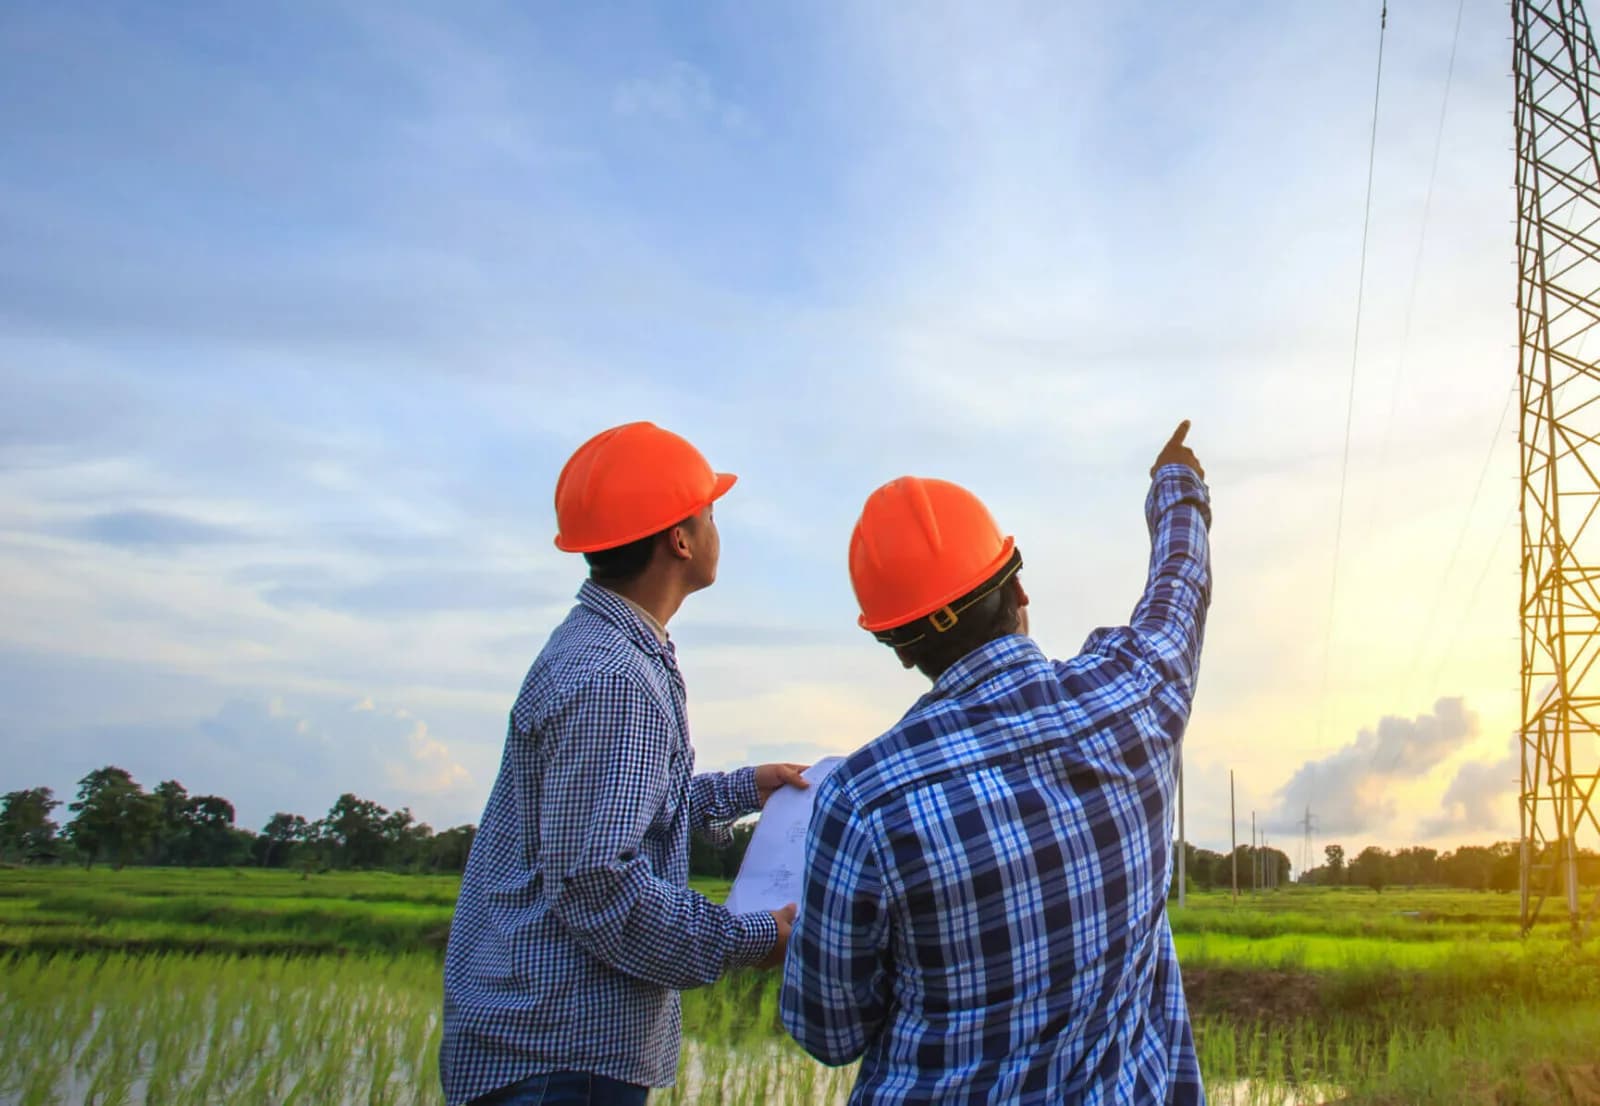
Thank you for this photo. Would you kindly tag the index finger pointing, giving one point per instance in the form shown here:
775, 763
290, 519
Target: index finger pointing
1179, 434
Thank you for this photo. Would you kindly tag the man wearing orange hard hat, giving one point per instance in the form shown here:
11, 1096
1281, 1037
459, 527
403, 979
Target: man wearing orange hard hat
575, 928
983, 913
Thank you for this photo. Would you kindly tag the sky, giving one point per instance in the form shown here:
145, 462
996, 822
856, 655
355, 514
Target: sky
303, 306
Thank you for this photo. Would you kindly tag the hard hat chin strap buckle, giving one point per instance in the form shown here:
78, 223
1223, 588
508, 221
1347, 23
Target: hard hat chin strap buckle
944, 619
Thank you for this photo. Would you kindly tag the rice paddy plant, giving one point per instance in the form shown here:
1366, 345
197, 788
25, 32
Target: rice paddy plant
206, 1029
1516, 1056
177, 986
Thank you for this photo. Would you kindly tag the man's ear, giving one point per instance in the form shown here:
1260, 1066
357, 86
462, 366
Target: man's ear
905, 659
677, 543
1022, 596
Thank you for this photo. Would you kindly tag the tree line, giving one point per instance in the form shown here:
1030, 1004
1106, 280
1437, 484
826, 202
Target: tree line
1210, 871
113, 820
1494, 867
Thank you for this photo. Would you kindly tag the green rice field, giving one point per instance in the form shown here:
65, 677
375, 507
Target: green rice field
248, 986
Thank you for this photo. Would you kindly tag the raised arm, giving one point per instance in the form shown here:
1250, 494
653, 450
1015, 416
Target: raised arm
1169, 621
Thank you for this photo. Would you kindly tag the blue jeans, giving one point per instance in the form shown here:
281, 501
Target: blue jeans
565, 1088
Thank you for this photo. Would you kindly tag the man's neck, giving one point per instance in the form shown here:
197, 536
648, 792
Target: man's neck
661, 598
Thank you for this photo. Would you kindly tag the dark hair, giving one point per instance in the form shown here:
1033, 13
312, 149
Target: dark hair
627, 562
993, 616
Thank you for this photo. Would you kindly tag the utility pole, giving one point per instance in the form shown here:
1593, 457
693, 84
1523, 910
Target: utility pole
1254, 864
1307, 849
1233, 823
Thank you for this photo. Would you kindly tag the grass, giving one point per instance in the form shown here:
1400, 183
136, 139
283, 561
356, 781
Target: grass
250, 986
244, 909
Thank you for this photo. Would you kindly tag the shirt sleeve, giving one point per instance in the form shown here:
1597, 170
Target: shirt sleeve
717, 799
606, 783
835, 996
1168, 625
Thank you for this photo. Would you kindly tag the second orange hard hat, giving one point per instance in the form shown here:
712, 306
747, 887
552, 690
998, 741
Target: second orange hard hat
629, 482
919, 546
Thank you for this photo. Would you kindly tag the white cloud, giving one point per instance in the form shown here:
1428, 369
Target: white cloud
429, 769
1479, 798
1353, 790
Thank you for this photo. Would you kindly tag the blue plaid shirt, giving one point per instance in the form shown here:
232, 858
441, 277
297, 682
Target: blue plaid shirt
575, 928
983, 915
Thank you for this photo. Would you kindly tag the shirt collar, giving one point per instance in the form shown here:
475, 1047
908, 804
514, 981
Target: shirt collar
649, 619
622, 614
977, 666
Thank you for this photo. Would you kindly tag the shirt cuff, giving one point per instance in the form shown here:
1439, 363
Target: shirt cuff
742, 787
1183, 472
1174, 484
754, 937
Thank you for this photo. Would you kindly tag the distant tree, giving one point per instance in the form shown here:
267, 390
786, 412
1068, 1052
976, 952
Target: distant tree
1314, 876
1276, 867
1204, 868
212, 838
170, 843
1415, 865
275, 845
1588, 868
27, 831
1371, 867
448, 851
1246, 858
1470, 867
1335, 855
706, 858
737, 845
317, 848
1505, 866
1212, 869
195, 829
356, 833
405, 840
113, 817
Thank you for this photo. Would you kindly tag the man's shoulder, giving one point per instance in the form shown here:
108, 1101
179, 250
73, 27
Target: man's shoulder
942, 737
586, 655
897, 760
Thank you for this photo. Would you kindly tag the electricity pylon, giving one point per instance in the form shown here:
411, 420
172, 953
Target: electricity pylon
1558, 304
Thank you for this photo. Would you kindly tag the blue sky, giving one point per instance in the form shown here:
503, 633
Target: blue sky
303, 306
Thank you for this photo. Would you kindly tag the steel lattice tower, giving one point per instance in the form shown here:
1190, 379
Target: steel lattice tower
1558, 305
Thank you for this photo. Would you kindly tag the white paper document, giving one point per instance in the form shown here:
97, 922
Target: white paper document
769, 877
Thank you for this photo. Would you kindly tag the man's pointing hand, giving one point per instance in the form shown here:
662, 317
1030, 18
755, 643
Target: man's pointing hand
1176, 453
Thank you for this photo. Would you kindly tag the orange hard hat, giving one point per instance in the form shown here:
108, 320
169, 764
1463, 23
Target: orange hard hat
919, 546
629, 482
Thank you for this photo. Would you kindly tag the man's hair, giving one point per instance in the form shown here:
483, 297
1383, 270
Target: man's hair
993, 616
627, 562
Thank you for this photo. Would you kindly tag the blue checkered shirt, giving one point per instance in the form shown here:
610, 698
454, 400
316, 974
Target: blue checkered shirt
983, 916
575, 928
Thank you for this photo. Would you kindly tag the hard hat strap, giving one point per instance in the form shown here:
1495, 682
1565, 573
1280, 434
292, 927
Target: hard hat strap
945, 618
